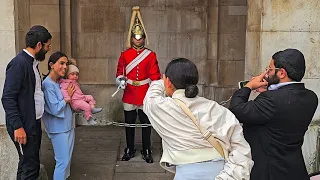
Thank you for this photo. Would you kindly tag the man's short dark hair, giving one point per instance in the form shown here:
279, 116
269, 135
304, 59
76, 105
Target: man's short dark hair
37, 34
292, 60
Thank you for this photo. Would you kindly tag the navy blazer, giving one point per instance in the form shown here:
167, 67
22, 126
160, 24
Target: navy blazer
274, 125
18, 94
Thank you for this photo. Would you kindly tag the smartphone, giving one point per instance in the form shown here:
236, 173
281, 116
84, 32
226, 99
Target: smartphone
241, 84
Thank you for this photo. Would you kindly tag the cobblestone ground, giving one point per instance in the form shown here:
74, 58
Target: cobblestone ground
97, 154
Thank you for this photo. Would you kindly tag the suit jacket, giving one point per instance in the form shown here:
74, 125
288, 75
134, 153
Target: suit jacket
148, 68
274, 125
18, 94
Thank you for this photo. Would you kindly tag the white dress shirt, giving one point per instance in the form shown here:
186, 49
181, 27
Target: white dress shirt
38, 94
279, 85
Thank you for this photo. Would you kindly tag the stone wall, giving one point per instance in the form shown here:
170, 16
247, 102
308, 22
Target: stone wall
8, 51
41, 12
226, 48
277, 25
7, 47
209, 32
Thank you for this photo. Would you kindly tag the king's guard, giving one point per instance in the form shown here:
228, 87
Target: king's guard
137, 67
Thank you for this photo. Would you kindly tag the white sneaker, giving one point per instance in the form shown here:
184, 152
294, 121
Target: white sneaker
91, 121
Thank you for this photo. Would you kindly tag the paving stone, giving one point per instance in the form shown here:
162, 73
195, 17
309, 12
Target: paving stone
138, 167
97, 153
91, 171
93, 158
47, 159
156, 152
142, 176
98, 145
97, 157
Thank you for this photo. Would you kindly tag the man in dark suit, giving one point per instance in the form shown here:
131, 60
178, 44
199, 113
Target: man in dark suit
275, 122
23, 101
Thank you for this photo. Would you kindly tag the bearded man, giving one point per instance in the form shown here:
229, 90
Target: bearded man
275, 122
23, 101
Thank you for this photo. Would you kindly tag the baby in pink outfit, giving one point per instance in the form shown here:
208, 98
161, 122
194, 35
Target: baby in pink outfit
79, 101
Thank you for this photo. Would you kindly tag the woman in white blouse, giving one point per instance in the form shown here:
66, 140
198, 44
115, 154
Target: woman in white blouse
185, 151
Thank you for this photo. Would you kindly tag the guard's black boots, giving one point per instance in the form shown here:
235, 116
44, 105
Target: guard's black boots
128, 154
146, 155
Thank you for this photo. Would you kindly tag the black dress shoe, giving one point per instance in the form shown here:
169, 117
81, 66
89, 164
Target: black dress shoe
128, 154
146, 155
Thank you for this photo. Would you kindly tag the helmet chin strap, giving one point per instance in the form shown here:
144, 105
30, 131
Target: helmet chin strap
137, 47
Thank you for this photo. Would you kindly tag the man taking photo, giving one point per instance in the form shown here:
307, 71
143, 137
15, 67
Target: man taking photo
275, 122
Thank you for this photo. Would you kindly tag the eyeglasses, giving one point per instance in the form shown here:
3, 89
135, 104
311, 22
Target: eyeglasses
268, 69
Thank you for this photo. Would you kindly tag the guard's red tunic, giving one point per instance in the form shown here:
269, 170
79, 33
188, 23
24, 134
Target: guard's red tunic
148, 68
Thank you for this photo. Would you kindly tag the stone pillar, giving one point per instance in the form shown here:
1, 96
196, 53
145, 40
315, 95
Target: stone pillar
277, 25
47, 14
226, 48
212, 44
65, 27
8, 155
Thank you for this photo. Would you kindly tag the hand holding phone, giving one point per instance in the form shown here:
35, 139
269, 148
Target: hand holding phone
257, 82
241, 84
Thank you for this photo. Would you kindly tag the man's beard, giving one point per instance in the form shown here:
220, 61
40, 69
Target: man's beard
273, 80
41, 55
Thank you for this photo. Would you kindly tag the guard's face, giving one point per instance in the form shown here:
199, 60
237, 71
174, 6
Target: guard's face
138, 42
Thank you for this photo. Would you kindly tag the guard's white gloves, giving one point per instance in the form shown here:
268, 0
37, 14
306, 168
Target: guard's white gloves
121, 81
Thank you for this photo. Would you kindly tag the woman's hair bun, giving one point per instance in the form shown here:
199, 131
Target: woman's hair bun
191, 91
